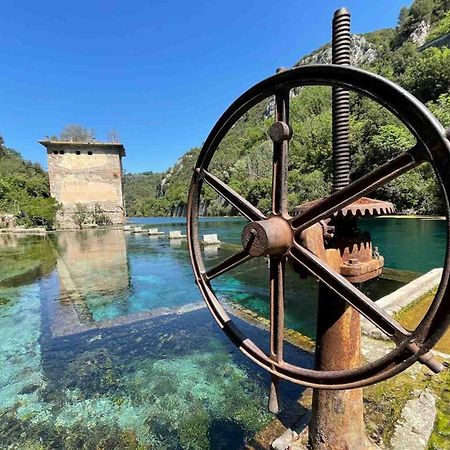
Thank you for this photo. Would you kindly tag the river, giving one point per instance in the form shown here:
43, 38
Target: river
104, 340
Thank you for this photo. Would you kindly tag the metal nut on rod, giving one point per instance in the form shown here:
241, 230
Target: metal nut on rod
280, 131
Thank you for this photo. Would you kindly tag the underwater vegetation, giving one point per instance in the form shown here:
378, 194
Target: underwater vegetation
97, 397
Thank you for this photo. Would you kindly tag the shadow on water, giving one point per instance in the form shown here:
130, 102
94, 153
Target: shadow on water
225, 434
84, 360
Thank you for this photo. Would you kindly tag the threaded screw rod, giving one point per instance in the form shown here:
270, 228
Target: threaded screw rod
340, 46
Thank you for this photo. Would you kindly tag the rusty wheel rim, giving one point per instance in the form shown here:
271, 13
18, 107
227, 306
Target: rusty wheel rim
278, 235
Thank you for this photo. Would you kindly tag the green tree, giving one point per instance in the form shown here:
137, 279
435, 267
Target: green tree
24, 190
304, 187
442, 27
441, 109
77, 133
81, 215
39, 211
99, 217
429, 77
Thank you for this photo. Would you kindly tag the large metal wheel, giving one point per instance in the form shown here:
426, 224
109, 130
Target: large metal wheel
279, 235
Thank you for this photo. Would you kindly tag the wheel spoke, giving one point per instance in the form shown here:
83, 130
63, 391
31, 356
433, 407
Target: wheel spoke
349, 293
228, 264
363, 304
280, 153
240, 203
363, 186
276, 274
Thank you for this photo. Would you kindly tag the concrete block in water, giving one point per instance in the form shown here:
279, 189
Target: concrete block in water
176, 235
210, 239
154, 232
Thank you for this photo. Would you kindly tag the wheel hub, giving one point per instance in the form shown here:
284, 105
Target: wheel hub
272, 236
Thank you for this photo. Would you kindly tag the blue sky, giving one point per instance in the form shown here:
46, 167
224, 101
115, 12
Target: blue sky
159, 72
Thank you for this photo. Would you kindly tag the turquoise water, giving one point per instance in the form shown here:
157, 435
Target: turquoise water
414, 245
417, 245
104, 344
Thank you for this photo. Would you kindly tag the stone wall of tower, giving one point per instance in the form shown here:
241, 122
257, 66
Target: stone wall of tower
88, 175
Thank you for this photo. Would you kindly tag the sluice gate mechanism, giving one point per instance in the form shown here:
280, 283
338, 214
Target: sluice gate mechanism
321, 239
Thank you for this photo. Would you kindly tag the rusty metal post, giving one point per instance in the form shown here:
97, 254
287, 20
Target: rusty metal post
337, 416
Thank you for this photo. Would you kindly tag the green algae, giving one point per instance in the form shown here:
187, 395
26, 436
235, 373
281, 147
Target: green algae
440, 438
383, 404
385, 401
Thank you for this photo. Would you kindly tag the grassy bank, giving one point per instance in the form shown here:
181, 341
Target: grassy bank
413, 313
384, 403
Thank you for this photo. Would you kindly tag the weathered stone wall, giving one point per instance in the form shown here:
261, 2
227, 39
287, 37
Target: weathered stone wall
88, 175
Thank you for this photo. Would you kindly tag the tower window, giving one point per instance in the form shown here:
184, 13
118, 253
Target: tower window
78, 152
55, 152
89, 153
61, 152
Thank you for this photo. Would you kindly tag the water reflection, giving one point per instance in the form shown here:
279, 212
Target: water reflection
94, 261
104, 352
23, 258
108, 276
175, 243
163, 382
211, 250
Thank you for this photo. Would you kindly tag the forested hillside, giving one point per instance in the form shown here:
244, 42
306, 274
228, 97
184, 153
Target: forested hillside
140, 193
244, 157
24, 190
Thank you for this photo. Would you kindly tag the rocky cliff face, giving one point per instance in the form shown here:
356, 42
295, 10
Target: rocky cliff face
420, 33
361, 52
162, 187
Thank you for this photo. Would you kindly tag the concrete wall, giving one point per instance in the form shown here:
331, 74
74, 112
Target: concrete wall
87, 174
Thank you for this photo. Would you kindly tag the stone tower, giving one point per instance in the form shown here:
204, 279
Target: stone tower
88, 174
